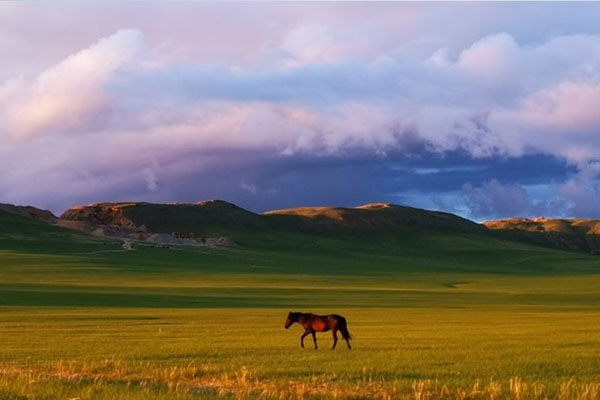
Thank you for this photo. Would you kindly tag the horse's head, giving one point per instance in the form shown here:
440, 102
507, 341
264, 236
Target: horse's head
291, 318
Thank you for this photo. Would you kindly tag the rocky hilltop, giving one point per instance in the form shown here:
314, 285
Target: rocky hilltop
169, 224
571, 234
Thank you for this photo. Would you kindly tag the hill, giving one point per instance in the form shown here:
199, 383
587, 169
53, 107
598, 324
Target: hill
174, 217
570, 234
217, 217
176, 223
220, 222
23, 232
376, 217
30, 212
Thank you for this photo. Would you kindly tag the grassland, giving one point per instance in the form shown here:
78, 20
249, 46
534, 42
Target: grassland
434, 315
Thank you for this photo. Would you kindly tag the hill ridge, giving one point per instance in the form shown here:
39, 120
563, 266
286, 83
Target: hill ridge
29, 211
569, 233
214, 218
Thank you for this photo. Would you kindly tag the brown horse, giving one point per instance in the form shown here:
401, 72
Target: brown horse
319, 323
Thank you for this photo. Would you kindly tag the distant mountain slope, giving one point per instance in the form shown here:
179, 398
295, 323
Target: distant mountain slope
30, 212
220, 223
377, 217
571, 234
219, 217
24, 228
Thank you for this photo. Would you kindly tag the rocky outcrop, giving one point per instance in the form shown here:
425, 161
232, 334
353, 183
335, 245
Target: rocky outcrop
169, 239
103, 220
99, 214
569, 234
124, 221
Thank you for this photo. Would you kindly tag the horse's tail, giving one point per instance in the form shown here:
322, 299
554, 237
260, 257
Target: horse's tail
344, 329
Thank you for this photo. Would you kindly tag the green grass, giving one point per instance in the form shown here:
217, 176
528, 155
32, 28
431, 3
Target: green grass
432, 314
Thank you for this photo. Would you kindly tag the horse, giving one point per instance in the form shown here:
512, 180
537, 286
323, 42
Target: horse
319, 323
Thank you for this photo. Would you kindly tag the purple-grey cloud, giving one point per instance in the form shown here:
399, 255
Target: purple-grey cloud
493, 199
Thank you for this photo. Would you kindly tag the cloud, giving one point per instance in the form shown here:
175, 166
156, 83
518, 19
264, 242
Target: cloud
150, 179
491, 59
481, 102
122, 115
70, 96
321, 44
578, 197
248, 187
496, 200
583, 191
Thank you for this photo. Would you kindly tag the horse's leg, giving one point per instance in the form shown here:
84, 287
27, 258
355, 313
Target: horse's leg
314, 339
302, 338
335, 339
348, 341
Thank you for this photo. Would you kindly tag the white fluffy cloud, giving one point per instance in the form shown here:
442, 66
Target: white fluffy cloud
70, 96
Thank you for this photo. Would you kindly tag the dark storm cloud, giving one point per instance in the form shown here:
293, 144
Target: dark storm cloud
416, 178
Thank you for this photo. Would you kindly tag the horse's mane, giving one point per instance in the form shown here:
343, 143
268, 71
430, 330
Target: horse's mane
299, 314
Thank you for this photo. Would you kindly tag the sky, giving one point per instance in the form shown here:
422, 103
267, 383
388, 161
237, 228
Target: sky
486, 110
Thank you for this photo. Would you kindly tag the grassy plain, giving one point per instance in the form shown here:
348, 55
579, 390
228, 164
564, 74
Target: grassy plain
433, 315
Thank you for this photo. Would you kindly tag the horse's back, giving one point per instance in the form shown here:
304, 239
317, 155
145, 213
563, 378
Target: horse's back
337, 318
323, 323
